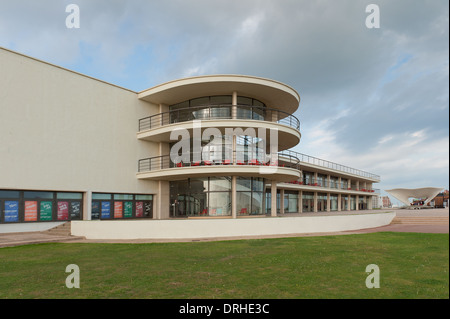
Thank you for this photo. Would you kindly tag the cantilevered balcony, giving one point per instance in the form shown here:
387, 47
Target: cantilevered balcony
281, 167
158, 127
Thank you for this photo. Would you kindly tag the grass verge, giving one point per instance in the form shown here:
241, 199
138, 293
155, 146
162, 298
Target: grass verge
412, 265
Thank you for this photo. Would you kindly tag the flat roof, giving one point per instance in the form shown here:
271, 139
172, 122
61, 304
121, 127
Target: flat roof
272, 93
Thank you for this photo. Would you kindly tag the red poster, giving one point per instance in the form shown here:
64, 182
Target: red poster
139, 209
30, 211
63, 210
118, 209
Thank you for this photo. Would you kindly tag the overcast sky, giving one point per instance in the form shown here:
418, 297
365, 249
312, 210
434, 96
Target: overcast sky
374, 99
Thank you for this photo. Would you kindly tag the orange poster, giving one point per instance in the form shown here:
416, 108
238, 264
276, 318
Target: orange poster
118, 209
30, 211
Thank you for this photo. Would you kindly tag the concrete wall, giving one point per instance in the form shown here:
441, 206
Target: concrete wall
64, 131
210, 228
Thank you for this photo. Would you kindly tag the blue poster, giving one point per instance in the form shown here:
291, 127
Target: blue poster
106, 209
11, 211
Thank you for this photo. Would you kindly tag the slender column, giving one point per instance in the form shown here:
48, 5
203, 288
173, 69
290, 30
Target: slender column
357, 202
234, 105
328, 202
87, 206
233, 197
300, 202
339, 206
273, 209
370, 202
281, 201
315, 202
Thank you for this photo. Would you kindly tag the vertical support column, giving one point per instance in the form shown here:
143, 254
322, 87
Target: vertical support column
328, 181
162, 204
315, 178
339, 206
339, 186
281, 201
370, 202
273, 208
328, 202
234, 105
87, 205
300, 202
357, 202
315, 202
233, 196
349, 184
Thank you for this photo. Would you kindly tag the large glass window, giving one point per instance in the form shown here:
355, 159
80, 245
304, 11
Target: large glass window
290, 201
250, 194
212, 197
308, 202
120, 206
321, 202
39, 206
333, 202
344, 202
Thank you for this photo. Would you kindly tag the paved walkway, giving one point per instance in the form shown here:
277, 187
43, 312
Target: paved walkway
16, 239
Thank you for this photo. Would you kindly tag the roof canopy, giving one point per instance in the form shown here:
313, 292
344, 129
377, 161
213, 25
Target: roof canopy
403, 194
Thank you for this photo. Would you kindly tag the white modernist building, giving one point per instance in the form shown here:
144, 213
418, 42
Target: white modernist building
117, 163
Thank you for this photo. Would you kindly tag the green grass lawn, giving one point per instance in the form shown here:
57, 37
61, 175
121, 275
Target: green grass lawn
411, 265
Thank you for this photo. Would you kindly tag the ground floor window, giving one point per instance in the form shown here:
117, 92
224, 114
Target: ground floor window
308, 202
344, 202
39, 206
321, 202
121, 206
352, 202
362, 203
211, 196
333, 202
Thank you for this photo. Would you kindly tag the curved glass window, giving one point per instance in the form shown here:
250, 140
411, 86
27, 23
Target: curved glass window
212, 197
250, 196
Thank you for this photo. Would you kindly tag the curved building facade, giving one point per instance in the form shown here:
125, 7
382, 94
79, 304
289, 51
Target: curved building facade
213, 147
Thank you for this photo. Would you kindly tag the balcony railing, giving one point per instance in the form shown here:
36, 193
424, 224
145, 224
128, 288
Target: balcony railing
327, 164
164, 162
341, 186
219, 112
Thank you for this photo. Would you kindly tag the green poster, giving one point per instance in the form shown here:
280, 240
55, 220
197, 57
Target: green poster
46, 210
128, 210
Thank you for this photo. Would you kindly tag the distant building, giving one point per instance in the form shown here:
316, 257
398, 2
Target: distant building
441, 200
386, 201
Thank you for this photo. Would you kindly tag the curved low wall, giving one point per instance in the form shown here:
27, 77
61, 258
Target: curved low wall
217, 228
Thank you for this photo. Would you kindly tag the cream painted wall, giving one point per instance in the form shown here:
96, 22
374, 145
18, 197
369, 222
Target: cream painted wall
61, 130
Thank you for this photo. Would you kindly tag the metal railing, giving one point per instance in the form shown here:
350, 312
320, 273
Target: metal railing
238, 158
219, 112
341, 186
327, 164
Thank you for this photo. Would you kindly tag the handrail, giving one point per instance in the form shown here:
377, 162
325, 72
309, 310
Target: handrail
164, 162
219, 111
327, 164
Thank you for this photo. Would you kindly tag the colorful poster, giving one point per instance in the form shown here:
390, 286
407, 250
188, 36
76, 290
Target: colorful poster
95, 214
128, 210
139, 209
118, 209
148, 209
11, 211
63, 210
30, 211
46, 211
75, 210
106, 209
